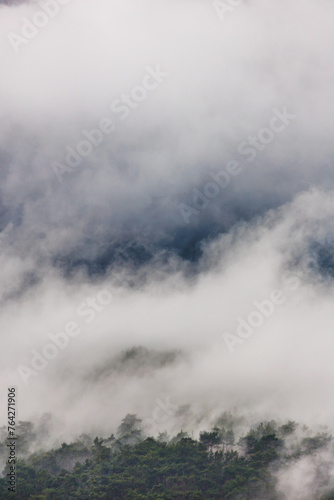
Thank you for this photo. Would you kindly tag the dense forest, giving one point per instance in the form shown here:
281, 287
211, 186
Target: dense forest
132, 466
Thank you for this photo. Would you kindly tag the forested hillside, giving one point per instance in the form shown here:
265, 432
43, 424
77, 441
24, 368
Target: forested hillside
217, 465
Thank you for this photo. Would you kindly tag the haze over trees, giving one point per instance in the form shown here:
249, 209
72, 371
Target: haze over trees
218, 465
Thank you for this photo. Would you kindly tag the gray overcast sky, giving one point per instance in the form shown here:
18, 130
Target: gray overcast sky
195, 92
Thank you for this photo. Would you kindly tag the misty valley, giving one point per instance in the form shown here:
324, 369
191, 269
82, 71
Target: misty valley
166, 250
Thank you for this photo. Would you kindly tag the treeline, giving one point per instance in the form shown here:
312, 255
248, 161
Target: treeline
134, 467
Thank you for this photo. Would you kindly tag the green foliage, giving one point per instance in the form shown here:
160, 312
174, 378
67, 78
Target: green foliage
133, 468
210, 439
